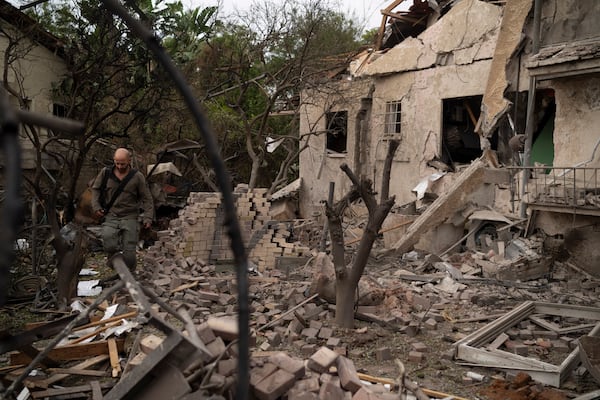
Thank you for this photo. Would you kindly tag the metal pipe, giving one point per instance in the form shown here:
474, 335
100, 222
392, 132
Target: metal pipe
530, 107
12, 207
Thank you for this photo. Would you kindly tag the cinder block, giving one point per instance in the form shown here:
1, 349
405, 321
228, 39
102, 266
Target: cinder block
289, 364
415, 356
322, 360
349, 379
420, 347
274, 385
383, 353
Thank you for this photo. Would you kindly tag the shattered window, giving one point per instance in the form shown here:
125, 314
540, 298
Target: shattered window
460, 143
393, 118
337, 131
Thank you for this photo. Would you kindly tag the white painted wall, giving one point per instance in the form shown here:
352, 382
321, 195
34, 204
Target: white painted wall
33, 74
450, 59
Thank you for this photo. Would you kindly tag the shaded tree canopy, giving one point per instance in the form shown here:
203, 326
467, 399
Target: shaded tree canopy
248, 73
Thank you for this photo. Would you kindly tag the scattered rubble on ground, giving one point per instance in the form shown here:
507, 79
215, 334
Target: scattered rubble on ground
496, 318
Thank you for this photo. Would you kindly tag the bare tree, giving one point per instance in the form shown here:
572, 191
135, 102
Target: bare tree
348, 276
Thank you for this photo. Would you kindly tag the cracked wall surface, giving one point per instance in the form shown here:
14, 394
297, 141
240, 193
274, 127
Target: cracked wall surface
467, 33
420, 73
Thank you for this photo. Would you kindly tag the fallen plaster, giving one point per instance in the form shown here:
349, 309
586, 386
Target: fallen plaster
494, 104
479, 23
444, 206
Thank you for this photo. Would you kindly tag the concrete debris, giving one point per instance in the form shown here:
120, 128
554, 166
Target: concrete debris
296, 350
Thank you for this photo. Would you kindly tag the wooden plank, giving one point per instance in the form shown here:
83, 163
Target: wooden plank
133, 378
392, 382
499, 341
113, 353
96, 332
130, 314
184, 287
41, 331
493, 329
589, 396
96, 390
83, 365
75, 371
568, 310
70, 390
555, 328
71, 352
545, 373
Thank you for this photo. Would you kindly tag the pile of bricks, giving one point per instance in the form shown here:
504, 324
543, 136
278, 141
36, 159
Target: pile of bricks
280, 315
199, 231
324, 375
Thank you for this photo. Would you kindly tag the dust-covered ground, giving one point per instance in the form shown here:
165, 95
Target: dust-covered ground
376, 346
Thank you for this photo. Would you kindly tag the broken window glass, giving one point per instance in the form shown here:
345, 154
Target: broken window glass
337, 131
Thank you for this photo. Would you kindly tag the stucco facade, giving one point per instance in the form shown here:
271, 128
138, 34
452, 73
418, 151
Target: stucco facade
450, 59
457, 58
32, 72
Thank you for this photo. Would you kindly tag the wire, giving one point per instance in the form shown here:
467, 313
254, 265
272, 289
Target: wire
223, 180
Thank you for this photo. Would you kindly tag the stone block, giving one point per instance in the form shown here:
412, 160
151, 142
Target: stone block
274, 385
322, 360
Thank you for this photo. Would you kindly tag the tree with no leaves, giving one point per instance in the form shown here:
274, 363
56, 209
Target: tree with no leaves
348, 276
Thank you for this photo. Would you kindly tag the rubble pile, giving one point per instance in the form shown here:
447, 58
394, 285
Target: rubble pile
296, 349
472, 318
199, 231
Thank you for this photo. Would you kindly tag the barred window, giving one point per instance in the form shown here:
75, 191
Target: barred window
393, 118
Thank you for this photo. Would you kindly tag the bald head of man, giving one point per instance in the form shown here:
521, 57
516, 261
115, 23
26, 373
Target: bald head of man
122, 160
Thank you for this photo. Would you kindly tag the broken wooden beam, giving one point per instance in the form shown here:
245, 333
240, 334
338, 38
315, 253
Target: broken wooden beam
71, 352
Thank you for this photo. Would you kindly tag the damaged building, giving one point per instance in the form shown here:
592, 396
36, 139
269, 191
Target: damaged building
494, 105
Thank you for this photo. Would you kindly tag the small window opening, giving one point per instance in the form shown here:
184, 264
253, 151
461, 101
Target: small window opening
393, 118
337, 131
59, 110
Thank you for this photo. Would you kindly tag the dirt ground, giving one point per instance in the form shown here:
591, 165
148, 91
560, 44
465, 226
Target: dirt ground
437, 371
374, 347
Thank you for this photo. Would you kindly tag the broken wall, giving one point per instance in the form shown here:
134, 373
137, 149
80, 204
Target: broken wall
450, 59
421, 93
576, 134
569, 20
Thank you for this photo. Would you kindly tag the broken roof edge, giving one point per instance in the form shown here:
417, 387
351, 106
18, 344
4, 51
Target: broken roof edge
288, 190
422, 52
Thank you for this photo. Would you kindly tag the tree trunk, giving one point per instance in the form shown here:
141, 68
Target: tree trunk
344, 302
347, 277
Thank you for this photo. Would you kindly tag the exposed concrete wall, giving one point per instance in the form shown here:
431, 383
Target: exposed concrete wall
421, 93
569, 20
450, 59
576, 134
